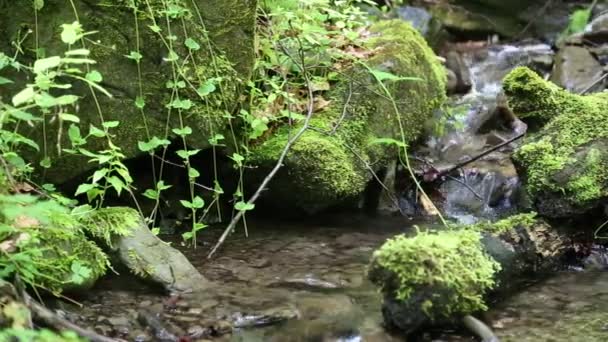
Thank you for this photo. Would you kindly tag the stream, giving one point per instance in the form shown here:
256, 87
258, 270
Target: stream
305, 281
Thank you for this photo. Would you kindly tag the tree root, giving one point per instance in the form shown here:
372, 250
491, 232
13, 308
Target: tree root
479, 328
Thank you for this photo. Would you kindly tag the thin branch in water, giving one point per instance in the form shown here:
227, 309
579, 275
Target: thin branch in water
235, 220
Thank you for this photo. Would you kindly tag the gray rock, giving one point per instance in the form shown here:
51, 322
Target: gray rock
577, 70
600, 23
418, 17
147, 255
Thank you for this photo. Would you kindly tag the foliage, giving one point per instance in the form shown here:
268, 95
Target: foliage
578, 21
42, 335
40, 241
452, 264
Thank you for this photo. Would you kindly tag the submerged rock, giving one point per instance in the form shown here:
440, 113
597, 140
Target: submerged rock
564, 163
327, 165
128, 238
436, 278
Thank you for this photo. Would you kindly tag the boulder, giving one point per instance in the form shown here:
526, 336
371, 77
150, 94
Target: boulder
563, 164
577, 70
127, 238
204, 47
327, 165
436, 278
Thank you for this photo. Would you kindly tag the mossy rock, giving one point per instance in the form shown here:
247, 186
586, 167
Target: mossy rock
432, 277
126, 237
435, 278
565, 162
216, 58
64, 250
327, 166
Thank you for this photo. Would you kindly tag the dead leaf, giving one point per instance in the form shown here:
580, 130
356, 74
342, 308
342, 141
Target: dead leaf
320, 103
25, 222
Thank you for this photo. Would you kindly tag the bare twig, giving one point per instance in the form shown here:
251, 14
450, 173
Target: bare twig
235, 220
53, 320
344, 108
596, 82
390, 193
477, 157
466, 186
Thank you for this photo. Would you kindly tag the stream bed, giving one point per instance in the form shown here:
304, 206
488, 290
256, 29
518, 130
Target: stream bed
306, 281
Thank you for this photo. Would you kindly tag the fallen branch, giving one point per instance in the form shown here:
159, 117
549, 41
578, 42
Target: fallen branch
51, 319
235, 220
446, 172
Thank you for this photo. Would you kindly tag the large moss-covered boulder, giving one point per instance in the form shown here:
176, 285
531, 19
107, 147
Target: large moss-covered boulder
564, 164
327, 165
144, 51
436, 278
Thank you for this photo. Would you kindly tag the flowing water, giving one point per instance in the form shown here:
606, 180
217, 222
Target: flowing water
306, 281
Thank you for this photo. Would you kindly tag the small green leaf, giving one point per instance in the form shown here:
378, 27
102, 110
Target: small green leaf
244, 206
24, 96
182, 132
96, 132
151, 194
193, 173
134, 55
140, 102
198, 202
84, 188
111, 124
117, 184
207, 88
74, 135
186, 204
4, 80
69, 117
78, 52
45, 163
238, 159
98, 175
94, 76
71, 33
151, 145
192, 44
38, 4
44, 64
214, 141
154, 28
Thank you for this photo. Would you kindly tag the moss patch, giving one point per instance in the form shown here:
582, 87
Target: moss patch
454, 262
568, 155
106, 223
506, 225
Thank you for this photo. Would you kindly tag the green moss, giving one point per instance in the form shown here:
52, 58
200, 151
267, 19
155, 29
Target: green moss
505, 225
328, 163
451, 262
558, 158
106, 223
63, 245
